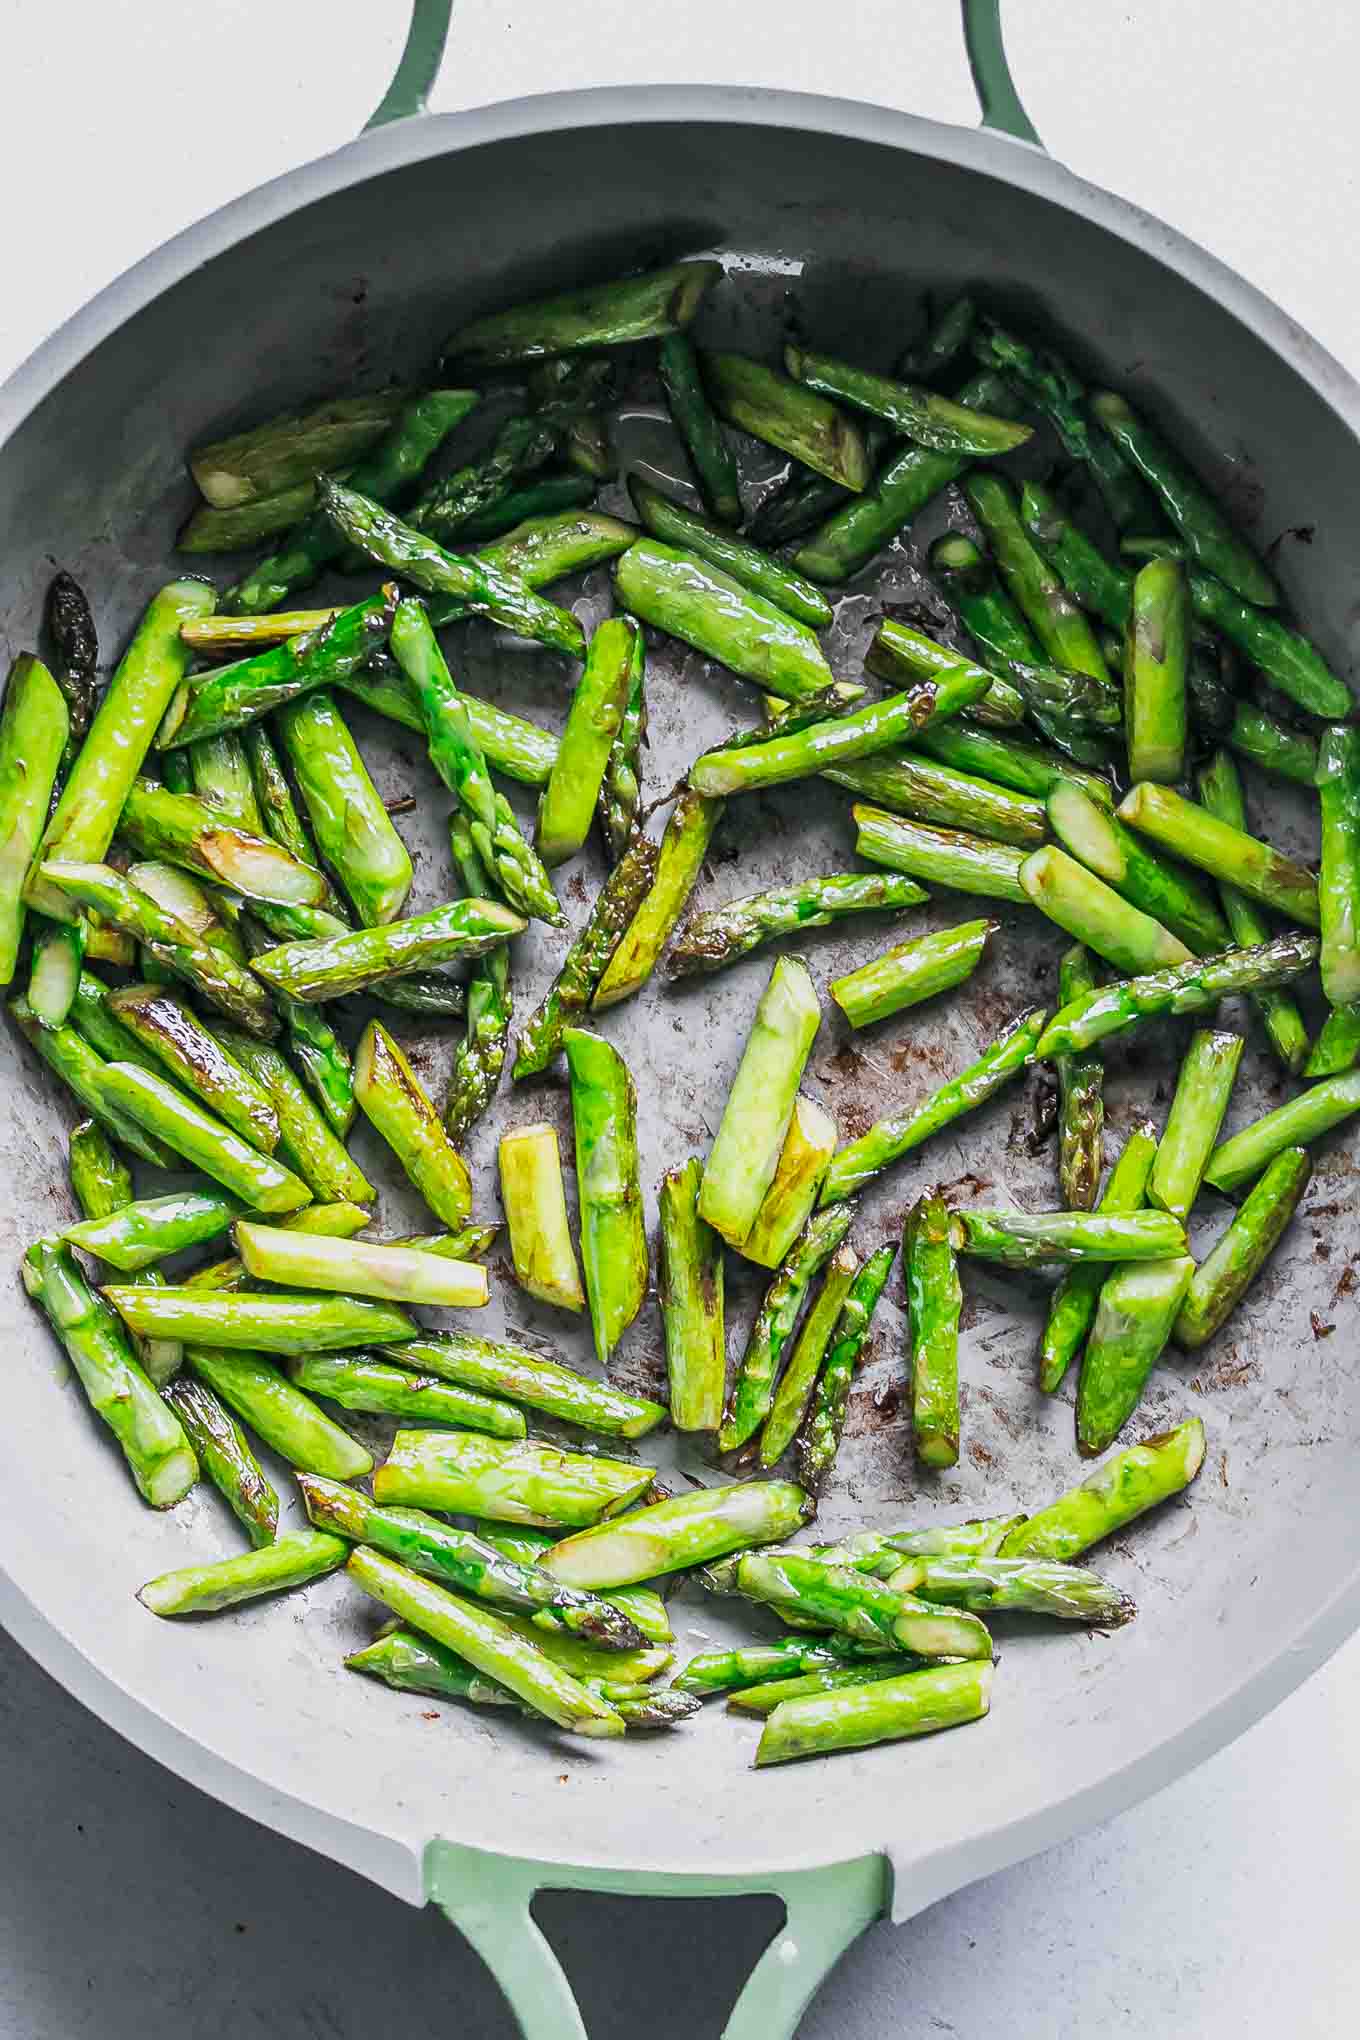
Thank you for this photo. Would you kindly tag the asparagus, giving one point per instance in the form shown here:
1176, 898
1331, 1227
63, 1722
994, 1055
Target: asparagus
1258, 736
980, 1537
1211, 687
522, 445
220, 770
915, 413
757, 1666
178, 1040
1091, 911
711, 941
469, 1243
1337, 1045
535, 1204
274, 796
852, 535
510, 1481
34, 727
1081, 1104
480, 1056
838, 1598
613, 1237
686, 1531
586, 1661
1198, 1109
226, 698
690, 1293
352, 827
288, 1421
1001, 757
543, 496
925, 791
182, 830
1155, 666
1059, 625
593, 723
359, 1383
340, 964
618, 900
358, 1267
889, 1139
910, 972
277, 1323
520, 749
75, 669
1226, 1273
1073, 1304
317, 1049
642, 307
251, 466
1104, 590
1183, 988
223, 1451
485, 589
416, 1664
896, 650
1338, 786
542, 550
746, 1149
172, 1116
1024, 1239
149, 1433
799, 1378
1124, 1488
763, 1699
509, 1372
1225, 852
1032, 1586
1209, 538
139, 1233
85, 1073
289, 1561
620, 794
709, 453
949, 857
1175, 899
889, 1710
307, 1141
808, 1147
103, 1186
785, 414
391, 1097
711, 610
1134, 1317
1295, 1124
744, 562
210, 635
969, 579
837, 740
934, 1302
679, 860
820, 1435
211, 530
754, 1387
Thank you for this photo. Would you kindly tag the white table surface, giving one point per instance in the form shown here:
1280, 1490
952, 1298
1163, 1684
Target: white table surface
133, 1908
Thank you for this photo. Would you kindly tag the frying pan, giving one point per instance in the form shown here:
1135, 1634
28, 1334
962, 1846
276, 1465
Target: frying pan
353, 268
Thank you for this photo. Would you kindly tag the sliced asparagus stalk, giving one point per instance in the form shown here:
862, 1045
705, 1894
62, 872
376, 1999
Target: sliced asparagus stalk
340, 964
800, 1376
1138, 1306
391, 1097
949, 857
1023, 1239
746, 1149
358, 1267
223, 1451
918, 1703
359, 1383
1081, 1102
1220, 791
288, 1421
289, 1561
1167, 892
1295, 1124
168, 1113
34, 727
836, 740
690, 1293
307, 1141
140, 1233
711, 610
1125, 1487
934, 1304
711, 941
686, 1531
910, 972
182, 830
511, 1374
757, 570
754, 1387
1226, 1273
506, 1480
179, 1041
1183, 988
600, 315
613, 1236
684, 846
535, 1202
1073, 1305
838, 1598
784, 1210
277, 1323
593, 722
1156, 657
925, 791
819, 1439
1198, 1109
711, 457
785, 414
616, 903
1085, 907
351, 825
914, 413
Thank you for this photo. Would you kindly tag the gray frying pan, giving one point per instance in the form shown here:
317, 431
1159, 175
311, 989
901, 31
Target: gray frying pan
352, 268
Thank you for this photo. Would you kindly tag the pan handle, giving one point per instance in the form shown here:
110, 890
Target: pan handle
488, 1898
420, 61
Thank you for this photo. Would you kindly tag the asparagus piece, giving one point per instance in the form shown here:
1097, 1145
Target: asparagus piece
690, 1293
684, 846
535, 1202
593, 723
391, 1097
178, 1040
277, 1323
784, 413
522, 445
1295, 1124
763, 1699
1156, 657
167, 1112
317, 1049
1104, 590
1073, 1305
1024, 1239
980, 1537
620, 793
949, 857
1337, 1045
352, 827
288, 1421
85, 1073
509, 1372
307, 1142
915, 413
139, 1233
359, 1383
480, 1057
220, 771
1183, 988
934, 1303
1081, 1104
251, 466
686, 1531
1124, 1488
358, 1267
925, 791
103, 1185
226, 698
759, 571
838, 1598
483, 588
618, 900
910, 972
182, 830
889, 1139
542, 496
1233, 1263
1085, 907
543, 550
913, 475
754, 1387
1032, 1586
819, 1438
289, 1561
1288, 660
757, 1666
889, 1710
732, 624
1059, 625
1338, 786
746, 1149
837, 740
211, 530
799, 1378
340, 964
274, 797
897, 651
158, 1454
519, 749
808, 1147
642, 307
1198, 1109
1134, 1318
211, 635
1169, 894
416, 1664
1226, 853
709, 453
34, 727
1258, 736
969, 579
613, 1238
75, 669
711, 941
1209, 538
1010, 761
585, 1661
510, 1481
223, 1451
469, 1243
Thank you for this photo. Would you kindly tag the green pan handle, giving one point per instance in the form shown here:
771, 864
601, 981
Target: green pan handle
488, 1898
409, 92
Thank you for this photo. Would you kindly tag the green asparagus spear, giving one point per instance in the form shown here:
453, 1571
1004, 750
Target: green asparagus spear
1008, 761
211, 530
820, 1436
493, 1368
711, 941
969, 578
1104, 590
915, 413
1258, 736
1081, 1104
85, 1073
535, 1204
690, 1293
949, 857
517, 748
225, 698
288, 1421
768, 1664
391, 1097
732, 624
289, 1561
870, 1551
307, 1141
746, 1149
934, 1302
1182, 988
1156, 656
184, 831
1125, 1487
896, 651
103, 1186
808, 1147
540, 551
1226, 853
358, 1267
710, 455
783, 413
480, 1056
277, 1323
58, 949
613, 1237
1295, 1124
153, 1443
620, 793
1203, 1090
160, 1108
889, 1139
593, 723
223, 1451
642, 307
357, 1382
541, 496
34, 726
1073, 1305
684, 846
763, 1699
179, 1041
317, 1049
1058, 624
352, 827
837, 740
1337, 1046
522, 445
925, 791
1209, 538
274, 796
910, 972
686, 1531
1137, 1308
800, 1376
618, 900
1082, 904
1025, 1239
139, 1233
251, 466
1226, 1273
220, 771
75, 668
340, 964
1338, 786
1032, 1586
1173, 898
754, 1386
888, 1710
838, 1598
510, 1481
417, 1664
764, 575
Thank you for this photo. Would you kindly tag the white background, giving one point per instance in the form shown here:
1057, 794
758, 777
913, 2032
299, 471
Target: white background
131, 1908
